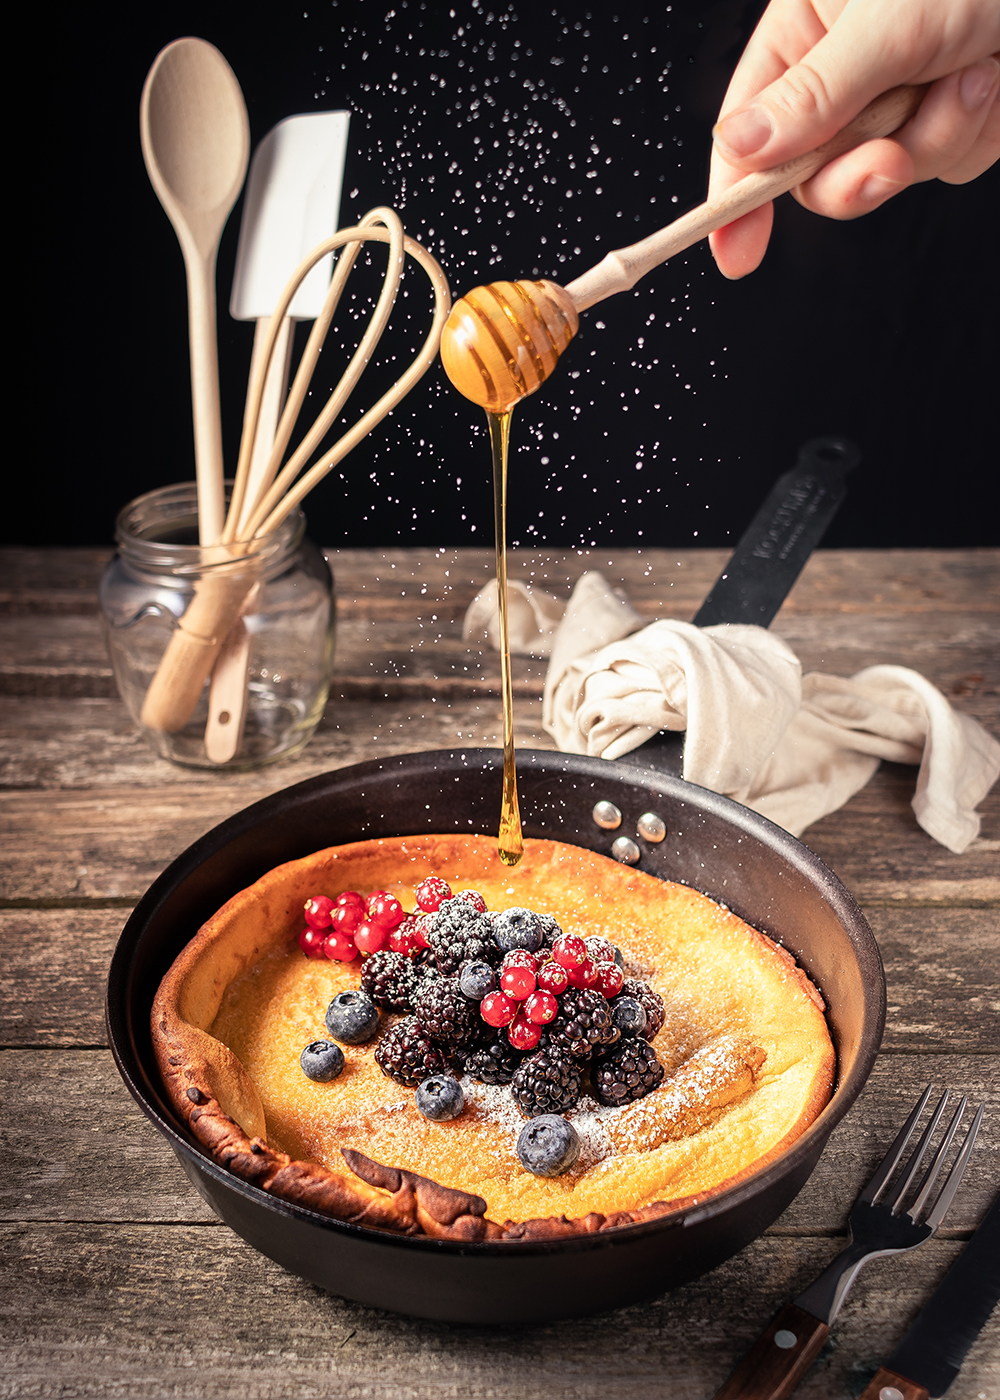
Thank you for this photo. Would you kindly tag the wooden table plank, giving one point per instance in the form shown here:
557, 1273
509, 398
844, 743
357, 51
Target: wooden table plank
147, 1311
388, 580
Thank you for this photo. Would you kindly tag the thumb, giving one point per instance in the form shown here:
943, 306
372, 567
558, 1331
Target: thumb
812, 100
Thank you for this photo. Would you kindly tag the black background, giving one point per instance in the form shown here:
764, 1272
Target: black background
676, 405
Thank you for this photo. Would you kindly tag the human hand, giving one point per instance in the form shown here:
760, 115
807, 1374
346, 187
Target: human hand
809, 69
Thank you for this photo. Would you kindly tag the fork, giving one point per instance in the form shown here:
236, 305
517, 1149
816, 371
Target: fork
786, 1350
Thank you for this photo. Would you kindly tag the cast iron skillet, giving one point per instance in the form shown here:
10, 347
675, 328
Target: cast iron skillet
723, 849
728, 852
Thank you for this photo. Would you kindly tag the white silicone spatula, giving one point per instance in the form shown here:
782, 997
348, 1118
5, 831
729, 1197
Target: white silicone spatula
292, 203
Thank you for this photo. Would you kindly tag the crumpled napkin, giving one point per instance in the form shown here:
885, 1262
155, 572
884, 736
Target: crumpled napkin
791, 747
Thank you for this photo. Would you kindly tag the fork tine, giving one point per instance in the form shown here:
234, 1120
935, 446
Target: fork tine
912, 1166
932, 1171
887, 1166
954, 1178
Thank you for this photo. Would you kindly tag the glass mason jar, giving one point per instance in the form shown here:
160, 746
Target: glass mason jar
223, 653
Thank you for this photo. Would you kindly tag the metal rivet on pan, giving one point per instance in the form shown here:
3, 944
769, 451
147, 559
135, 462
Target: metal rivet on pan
607, 815
785, 1339
651, 827
625, 850
889, 1392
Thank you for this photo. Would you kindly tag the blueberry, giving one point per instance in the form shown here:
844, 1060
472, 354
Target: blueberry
548, 1145
322, 1061
440, 1098
477, 978
629, 1015
517, 928
352, 1017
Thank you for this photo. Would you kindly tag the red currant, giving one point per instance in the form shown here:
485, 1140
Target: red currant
569, 950
520, 957
431, 893
346, 918
517, 982
553, 977
523, 1034
601, 950
402, 939
383, 909
311, 942
371, 938
584, 975
497, 1009
541, 1008
474, 898
317, 911
340, 947
609, 979
350, 897
419, 930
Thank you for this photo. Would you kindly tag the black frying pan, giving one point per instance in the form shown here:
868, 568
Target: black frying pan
732, 854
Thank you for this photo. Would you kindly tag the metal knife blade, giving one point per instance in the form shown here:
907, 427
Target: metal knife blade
932, 1352
771, 554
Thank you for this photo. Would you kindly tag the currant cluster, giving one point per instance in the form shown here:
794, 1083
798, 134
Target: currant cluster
352, 923
506, 998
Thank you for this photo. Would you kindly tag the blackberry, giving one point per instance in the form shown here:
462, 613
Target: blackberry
494, 1063
650, 1001
444, 1014
546, 1083
458, 933
550, 929
389, 980
406, 1055
425, 968
627, 1071
582, 1026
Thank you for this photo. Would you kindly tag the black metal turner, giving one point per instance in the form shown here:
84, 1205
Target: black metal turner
766, 562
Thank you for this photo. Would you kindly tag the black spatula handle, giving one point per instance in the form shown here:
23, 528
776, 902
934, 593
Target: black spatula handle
782, 535
767, 561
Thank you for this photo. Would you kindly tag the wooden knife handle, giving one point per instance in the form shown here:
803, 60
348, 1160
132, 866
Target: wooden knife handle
777, 1362
887, 1385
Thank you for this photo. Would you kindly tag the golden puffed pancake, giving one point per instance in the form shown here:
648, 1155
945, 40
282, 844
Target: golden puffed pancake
747, 1055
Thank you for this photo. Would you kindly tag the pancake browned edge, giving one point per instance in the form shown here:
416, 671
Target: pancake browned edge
212, 1093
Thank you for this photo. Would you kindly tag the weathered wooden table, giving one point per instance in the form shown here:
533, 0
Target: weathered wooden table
120, 1282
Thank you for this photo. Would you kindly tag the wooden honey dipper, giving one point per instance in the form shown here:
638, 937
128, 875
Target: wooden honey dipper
502, 341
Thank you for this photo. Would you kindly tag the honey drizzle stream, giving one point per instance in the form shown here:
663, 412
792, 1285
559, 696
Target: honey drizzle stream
510, 843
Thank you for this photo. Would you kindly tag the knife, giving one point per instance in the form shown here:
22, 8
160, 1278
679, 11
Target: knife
930, 1356
771, 554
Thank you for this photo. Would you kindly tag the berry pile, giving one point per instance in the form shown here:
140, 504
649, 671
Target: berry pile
506, 998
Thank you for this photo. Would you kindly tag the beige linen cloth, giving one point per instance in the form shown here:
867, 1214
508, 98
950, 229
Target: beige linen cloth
792, 747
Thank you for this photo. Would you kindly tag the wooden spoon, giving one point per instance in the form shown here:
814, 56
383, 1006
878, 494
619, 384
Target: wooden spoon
503, 340
196, 144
